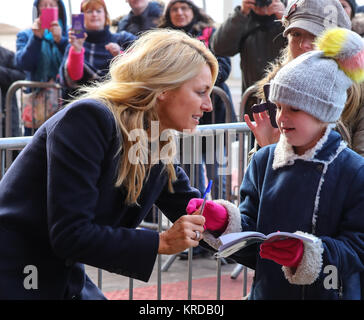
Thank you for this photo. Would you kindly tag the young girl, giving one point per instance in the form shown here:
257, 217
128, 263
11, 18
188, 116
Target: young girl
310, 182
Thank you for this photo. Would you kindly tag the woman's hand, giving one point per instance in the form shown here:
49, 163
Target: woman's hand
56, 31
76, 43
263, 131
113, 48
182, 234
36, 28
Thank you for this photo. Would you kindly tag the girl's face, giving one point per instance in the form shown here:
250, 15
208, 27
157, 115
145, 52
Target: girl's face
95, 17
301, 130
300, 41
182, 108
181, 14
346, 7
47, 4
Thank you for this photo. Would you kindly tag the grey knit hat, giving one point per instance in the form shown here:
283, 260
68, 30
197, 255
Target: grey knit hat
316, 82
315, 16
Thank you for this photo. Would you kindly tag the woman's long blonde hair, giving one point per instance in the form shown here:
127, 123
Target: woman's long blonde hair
158, 61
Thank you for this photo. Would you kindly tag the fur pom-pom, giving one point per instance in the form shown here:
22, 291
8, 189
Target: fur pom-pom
347, 48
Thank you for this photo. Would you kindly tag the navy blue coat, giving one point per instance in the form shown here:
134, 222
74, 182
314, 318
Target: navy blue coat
59, 209
320, 194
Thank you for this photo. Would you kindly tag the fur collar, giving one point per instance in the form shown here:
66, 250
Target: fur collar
284, 154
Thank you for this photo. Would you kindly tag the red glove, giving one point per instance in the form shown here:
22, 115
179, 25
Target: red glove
215, 214
287, 252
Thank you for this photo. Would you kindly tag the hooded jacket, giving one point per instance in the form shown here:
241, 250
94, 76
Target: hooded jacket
28, 46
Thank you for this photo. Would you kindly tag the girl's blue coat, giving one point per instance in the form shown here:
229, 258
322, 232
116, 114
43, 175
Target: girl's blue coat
284, 199
59, 209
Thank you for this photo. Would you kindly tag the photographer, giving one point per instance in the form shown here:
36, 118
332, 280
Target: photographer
253, 31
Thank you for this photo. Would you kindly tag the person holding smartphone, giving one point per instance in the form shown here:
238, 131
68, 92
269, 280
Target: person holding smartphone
88, 58
39, 52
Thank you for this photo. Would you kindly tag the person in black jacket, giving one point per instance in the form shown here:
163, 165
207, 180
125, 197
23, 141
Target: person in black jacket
9, 73
79, 189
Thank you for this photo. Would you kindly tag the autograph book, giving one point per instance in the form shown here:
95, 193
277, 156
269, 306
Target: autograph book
232, 242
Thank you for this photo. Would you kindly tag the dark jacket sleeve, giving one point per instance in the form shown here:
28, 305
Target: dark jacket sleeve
8, 70
173, 205
125, 39
28, 48
76, 148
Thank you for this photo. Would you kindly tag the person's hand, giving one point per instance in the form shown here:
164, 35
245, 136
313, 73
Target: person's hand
216, 215
56, 31
277, 8
36, 28
76, 43
287, 252
246, 6
113, 48
182, 235
263, 131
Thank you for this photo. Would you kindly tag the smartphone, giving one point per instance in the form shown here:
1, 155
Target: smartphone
267, 106
47, 16
78, 25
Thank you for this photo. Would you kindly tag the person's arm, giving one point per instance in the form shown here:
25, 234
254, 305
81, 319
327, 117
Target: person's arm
75, 63
28, 48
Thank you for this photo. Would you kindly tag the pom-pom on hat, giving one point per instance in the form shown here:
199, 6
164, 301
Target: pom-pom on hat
316, 82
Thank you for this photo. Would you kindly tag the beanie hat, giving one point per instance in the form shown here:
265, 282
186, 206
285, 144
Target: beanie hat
315, 16
316, 82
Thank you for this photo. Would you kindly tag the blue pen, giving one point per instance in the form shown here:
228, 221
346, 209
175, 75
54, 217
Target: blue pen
208, 189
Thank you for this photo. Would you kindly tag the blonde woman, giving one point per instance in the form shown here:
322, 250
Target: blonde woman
86, 180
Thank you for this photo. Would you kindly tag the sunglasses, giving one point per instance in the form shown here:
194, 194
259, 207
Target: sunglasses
267, 106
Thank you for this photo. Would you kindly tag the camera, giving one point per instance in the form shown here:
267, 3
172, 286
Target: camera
263, 3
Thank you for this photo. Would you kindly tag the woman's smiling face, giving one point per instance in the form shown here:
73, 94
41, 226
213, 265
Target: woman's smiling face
182, 108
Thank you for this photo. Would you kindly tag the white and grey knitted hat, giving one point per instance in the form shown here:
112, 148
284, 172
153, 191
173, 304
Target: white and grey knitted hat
317, 81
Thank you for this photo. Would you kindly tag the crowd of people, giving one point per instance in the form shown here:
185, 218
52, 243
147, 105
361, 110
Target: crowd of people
79, 189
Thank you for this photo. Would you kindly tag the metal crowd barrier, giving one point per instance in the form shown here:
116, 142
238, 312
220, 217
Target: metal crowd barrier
30, 85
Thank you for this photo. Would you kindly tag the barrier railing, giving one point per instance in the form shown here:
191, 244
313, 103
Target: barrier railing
30, 85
